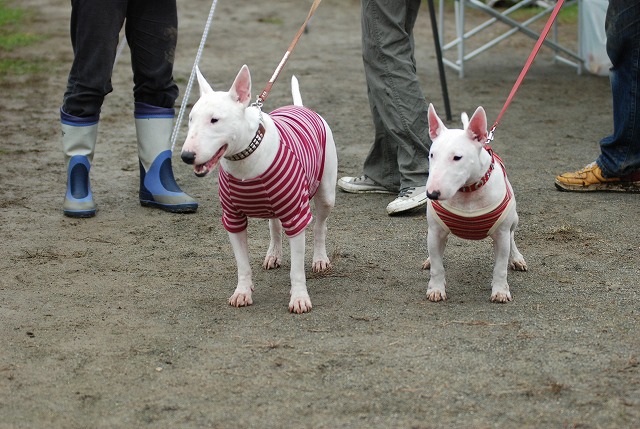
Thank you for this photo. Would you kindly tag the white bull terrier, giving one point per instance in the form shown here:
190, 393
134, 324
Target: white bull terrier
270, 167
471, 197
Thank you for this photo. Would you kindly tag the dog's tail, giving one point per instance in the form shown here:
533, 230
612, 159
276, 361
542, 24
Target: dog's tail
295, 92
465, 120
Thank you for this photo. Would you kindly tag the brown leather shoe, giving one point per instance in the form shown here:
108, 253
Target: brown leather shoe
590, 178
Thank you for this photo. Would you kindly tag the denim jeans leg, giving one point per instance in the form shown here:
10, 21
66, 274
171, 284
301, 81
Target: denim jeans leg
620, 152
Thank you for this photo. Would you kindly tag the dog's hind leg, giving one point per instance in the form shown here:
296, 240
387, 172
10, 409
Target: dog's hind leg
274, 253
516, 260
300, 301
324, 201
323, 207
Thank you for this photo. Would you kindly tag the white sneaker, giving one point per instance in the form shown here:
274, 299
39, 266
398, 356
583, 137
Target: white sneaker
408, 199
361, 185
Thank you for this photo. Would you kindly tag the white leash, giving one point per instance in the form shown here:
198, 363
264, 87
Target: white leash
187, 93
119, 50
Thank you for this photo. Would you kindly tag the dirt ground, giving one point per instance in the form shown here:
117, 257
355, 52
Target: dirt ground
122, 321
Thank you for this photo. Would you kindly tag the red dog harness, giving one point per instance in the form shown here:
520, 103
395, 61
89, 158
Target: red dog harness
284, 190
478, 224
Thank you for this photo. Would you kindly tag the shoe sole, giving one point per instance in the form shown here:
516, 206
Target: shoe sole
184, 208
410, 209
79, 214
368, 191
629, 187
357, 190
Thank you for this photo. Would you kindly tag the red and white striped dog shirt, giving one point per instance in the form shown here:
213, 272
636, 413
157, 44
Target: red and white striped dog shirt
285, 189
476, 225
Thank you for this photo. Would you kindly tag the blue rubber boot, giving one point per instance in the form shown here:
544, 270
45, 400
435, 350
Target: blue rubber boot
78, 143
78, 201
158, 187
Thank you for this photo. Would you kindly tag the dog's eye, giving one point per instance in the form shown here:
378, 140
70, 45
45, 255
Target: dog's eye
431, 155
457, 158
214, 120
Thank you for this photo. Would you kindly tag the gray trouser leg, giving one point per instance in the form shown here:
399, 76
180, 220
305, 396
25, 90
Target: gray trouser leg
399, 155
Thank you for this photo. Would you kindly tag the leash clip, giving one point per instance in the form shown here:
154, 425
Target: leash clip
490, 134
258, 103
489, 138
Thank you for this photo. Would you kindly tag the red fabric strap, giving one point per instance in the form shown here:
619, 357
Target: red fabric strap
480, 183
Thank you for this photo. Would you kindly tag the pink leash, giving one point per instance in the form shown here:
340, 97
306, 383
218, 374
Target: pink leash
527, 65
265, 92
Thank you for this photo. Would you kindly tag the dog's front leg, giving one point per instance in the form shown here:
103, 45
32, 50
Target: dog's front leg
436, 243
501, 248
300, 301
242, 295
274, 254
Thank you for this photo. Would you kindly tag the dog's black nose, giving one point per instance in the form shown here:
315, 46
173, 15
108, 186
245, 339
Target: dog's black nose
188, 157
433, 195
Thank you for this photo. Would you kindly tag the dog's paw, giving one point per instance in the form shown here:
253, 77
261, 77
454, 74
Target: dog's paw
426, 265
435, 295
321, 265
518, 264
300, 304
271, 262
241, 299
501, 296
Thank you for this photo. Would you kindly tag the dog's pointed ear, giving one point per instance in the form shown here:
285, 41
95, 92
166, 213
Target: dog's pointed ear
205, 88
477, 129
436, 127
241, 89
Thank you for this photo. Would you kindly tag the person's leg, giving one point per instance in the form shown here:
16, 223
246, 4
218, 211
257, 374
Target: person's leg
152, 34
399, 155
617, 168
152, 30
94, 28
620, 152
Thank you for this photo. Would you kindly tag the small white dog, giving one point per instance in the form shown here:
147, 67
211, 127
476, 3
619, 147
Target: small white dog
270, 167
471, 197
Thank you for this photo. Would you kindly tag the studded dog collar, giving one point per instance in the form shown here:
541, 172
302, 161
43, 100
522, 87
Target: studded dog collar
253, 145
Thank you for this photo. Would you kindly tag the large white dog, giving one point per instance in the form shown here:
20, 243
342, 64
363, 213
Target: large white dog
270, 166
471, 197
